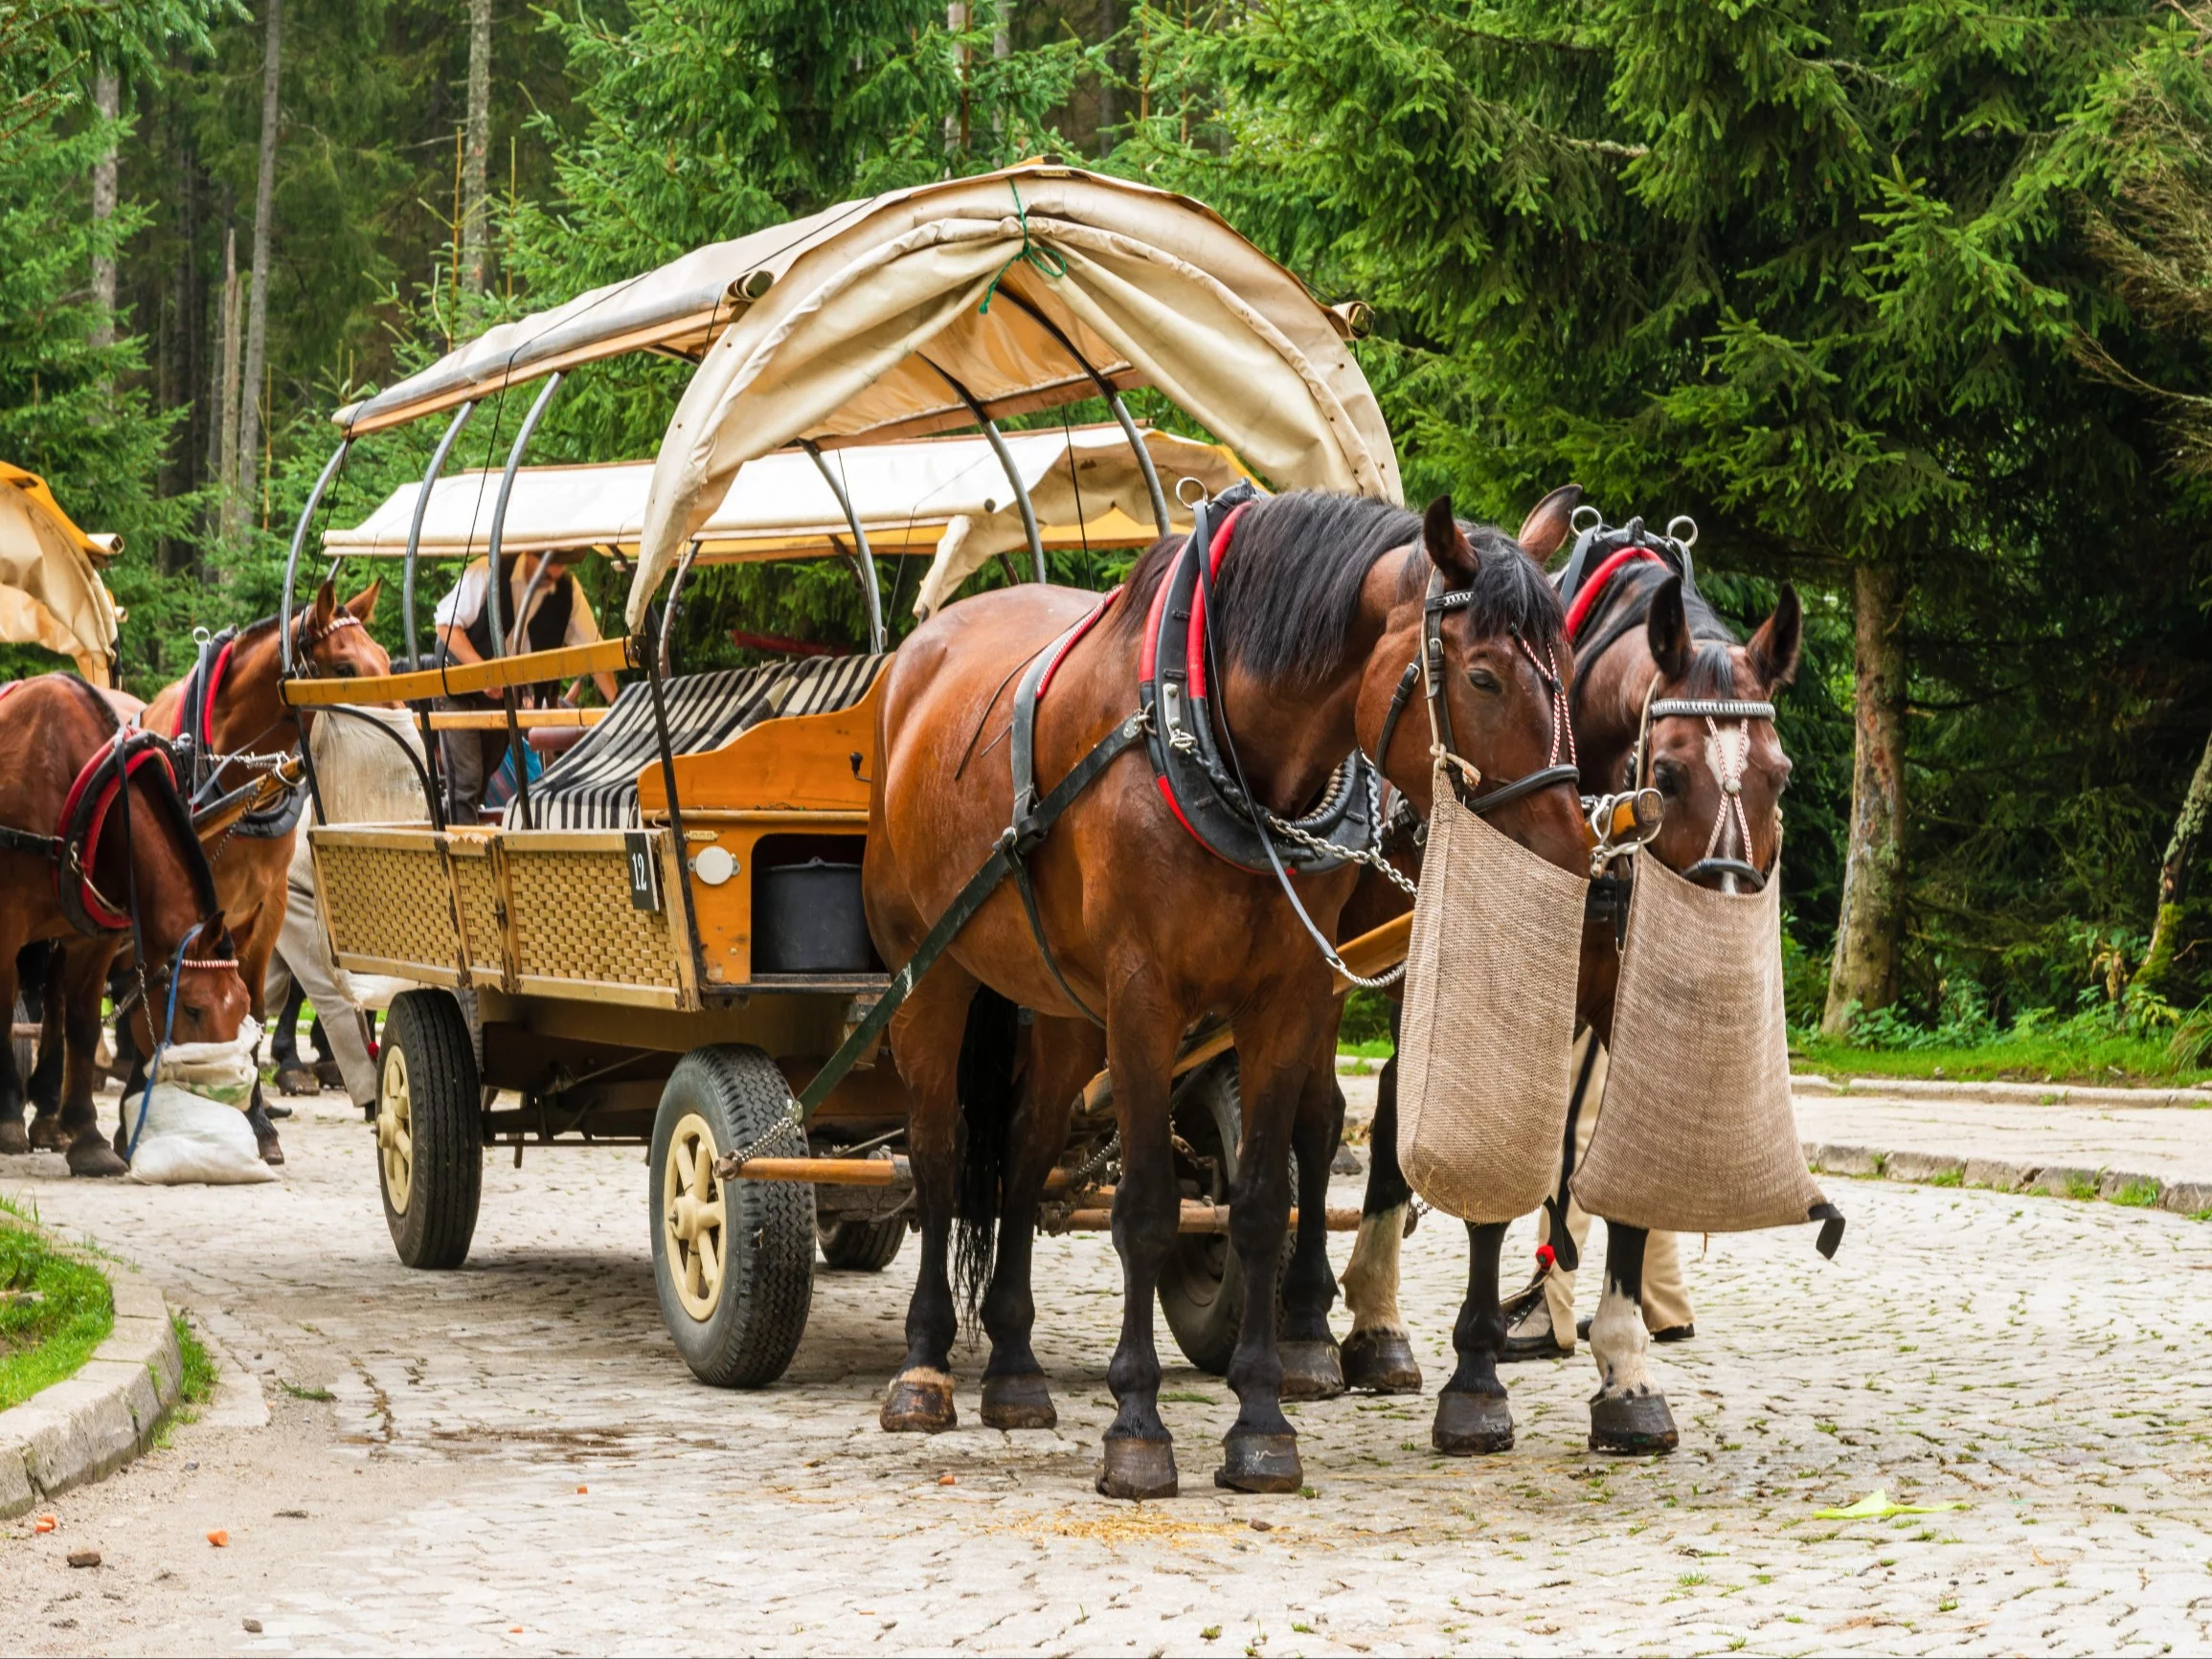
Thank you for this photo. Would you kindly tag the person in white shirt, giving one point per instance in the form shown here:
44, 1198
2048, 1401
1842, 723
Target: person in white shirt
544, 607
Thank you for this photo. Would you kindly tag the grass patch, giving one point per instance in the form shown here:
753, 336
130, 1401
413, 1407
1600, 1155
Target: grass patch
2020, 1058
1376, 1048
2137, 1195
198, 1384
53, 1311
1948, 1179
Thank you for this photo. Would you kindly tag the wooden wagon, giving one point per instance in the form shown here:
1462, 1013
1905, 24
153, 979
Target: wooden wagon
662, 939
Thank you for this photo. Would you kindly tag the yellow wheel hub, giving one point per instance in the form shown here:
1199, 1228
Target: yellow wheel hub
396, 1131
695, 1218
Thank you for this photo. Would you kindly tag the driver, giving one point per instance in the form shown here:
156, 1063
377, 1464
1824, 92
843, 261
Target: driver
544, 607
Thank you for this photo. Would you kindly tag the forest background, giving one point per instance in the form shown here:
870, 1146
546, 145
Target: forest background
1905, 303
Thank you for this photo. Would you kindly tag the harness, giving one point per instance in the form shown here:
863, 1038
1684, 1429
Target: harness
193, 734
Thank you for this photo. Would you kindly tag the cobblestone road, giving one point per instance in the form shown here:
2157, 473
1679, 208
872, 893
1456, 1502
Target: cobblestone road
511, 1458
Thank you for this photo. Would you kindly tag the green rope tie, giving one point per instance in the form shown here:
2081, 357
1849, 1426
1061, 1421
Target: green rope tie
1044, 261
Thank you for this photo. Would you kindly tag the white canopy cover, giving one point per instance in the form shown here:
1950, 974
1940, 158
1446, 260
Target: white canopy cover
51, 593
951, 493
892, 295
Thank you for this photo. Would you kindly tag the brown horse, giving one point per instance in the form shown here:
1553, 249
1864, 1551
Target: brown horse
1318, 608
53, 727
1642, 637
246, 716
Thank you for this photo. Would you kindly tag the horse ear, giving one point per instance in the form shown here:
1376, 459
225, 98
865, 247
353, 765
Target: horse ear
326, 605
1774, 648
362, 606
1667, 629
1549, 523
1449, 550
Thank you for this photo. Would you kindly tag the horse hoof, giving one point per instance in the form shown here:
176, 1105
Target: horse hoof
15, 1142
297, 1079
1138, 1468
1380, 1362
1472, 1425
46, 1133
1260, 1463
1311, 1371
272, 1154
91, 1155
919, 1403
1632, 1424
328, 1075
1019, 1401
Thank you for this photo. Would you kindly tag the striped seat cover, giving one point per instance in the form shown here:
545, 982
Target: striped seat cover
595, 785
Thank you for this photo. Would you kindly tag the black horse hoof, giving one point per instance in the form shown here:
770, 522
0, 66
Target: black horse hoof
297, 1079
1632, 1424
1020, 1402
1138, 1468
1472, 1425
1311, 1371
1260, 1463
272, 1152
1380, 1362
919, 1403
89, 1154
14, 1140
46, 1133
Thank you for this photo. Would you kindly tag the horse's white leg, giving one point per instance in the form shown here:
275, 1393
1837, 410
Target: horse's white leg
1628, 1413
1378, 1356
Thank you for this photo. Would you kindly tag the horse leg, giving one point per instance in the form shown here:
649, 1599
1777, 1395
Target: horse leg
926, 1036
83, 978
1260, 1451
254, 946
44, 1087
1378, 1356
1141, 1029
1472, 1412
1064, 1053
1312, 1368
293, 1077
1627, 1414
14, 1142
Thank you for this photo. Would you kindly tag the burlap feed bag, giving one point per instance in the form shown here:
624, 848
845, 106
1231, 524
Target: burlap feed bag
1697, 1133
1488, 1035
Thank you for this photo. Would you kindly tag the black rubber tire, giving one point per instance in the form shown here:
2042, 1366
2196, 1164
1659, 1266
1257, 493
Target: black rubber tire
1201, 1286
426, 1034
758, 1312
860, 1247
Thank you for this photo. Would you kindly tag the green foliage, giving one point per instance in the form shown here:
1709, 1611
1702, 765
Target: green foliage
53, 1311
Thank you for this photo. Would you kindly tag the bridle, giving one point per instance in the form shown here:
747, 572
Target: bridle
1731, 752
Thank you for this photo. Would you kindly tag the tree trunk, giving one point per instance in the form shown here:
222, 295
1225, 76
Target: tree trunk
108, 99
2174, 874
1108, 24
242, 481
476, 153
1872, 925
226, 457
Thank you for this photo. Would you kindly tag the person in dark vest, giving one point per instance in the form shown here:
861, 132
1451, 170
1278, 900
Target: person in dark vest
557, 614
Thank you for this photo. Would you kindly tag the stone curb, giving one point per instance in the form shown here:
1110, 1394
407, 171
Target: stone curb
86, 1427
2006, 1093
2005, 1176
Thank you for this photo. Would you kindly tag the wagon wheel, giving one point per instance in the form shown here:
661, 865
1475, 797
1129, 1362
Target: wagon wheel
733, 1261
859, 1245
1201, 1283
429, 1130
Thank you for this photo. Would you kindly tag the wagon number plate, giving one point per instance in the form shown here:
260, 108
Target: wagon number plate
644, 871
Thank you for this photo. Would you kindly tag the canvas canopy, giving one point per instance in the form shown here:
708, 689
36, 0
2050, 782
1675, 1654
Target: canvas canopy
949, 494
51, 593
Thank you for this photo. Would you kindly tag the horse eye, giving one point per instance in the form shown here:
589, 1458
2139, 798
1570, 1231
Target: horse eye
1482, 680
347, 671
1668, 775
193, 1011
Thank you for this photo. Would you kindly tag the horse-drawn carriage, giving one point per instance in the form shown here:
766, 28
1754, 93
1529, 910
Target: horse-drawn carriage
663, 938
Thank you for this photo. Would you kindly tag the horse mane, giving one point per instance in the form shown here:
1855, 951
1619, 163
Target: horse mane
1289, 588
1712, 671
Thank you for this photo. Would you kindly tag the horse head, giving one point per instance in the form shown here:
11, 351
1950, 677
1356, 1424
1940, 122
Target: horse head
1721, 774
333, 640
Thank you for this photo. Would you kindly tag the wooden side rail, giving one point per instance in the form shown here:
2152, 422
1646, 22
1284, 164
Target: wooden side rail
529, 669
528, 719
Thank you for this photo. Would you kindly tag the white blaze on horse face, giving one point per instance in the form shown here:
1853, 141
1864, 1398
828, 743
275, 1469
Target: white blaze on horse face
1370, 1281
1618, 1341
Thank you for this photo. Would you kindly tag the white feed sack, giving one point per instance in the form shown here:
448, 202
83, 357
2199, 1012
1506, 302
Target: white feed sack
195, 1127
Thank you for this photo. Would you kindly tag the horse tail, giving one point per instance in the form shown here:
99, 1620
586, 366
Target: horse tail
989, 1047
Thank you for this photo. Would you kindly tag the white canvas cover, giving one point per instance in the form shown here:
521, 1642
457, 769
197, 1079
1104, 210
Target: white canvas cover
866, 328
949, 493
51, 593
